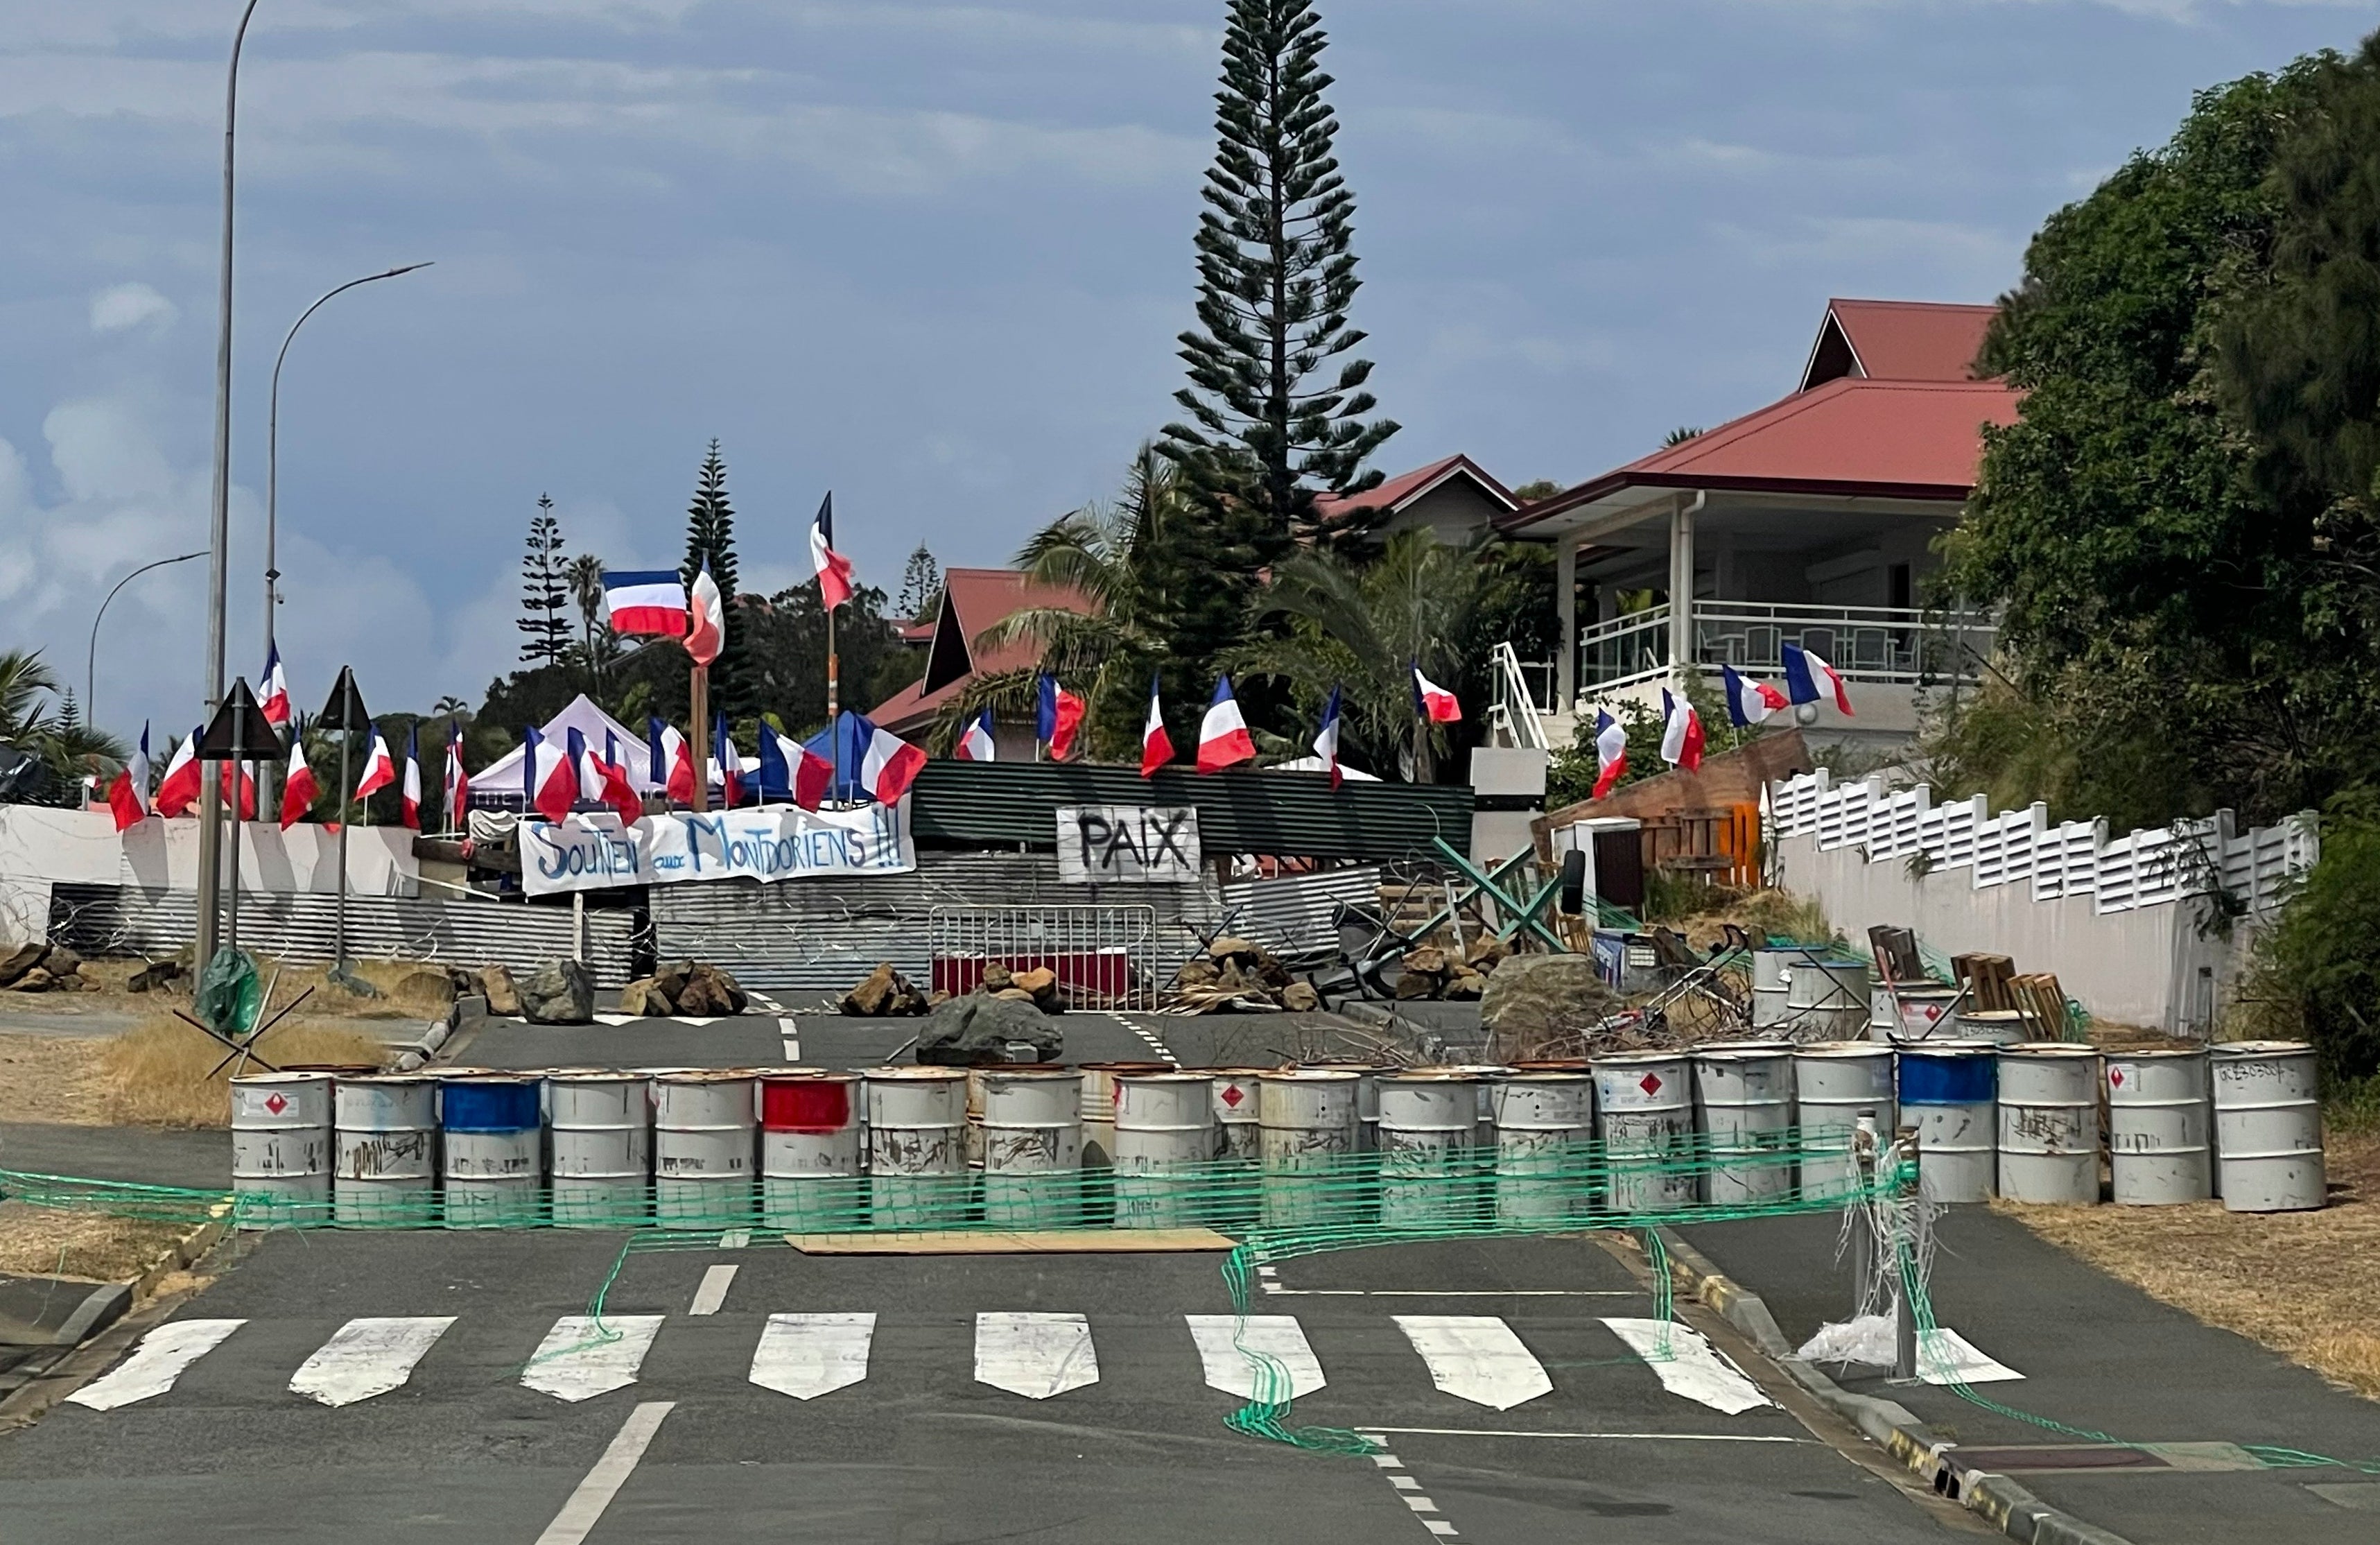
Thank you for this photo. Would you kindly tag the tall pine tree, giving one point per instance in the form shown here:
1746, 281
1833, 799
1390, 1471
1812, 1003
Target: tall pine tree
1276, 277
544, 593
710, 537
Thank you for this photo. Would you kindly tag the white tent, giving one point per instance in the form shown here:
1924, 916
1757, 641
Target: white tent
503, 777
1316, 764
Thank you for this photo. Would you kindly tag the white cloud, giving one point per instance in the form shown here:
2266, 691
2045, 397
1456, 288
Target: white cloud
120, 307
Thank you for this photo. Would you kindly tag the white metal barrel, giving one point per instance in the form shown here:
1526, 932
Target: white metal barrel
1925, 1013
1743, 1101
2001, 1027
1645, 1113
598, 1140
1486, 1075
1826, 996
2049, 1123
492, 1138
916, 1145
1947, 1092
281, 1152
1032, 1147
1835, 1083
1100, 1107
1429, 1127
1165, 1137
2267, 1125
2159, 1125
1236, 1098
1544, 1145
1306, 1127
1772, 974
704, 1139
385, 1149
809, 1150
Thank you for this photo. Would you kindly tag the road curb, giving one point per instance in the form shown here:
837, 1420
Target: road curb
1892, 1427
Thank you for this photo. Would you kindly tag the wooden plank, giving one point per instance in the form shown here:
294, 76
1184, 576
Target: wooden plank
1117, 1241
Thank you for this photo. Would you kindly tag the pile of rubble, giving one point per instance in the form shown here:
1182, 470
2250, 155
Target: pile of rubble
696, 988
1432, 972
1236, 976
886, 993
45, 967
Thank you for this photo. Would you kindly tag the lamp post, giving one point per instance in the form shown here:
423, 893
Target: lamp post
91, 660
272, 447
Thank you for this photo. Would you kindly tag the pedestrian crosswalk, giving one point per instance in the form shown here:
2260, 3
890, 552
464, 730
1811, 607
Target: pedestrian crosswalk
1480, 1360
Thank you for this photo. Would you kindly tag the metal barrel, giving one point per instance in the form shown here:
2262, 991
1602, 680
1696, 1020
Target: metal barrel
1100, 1107
2001, 1027
280, 1147
1743, 1102
599, 1146
1947, 1093
1236, 1098
2049, 1123
1826, 996
810, 1151
2267, 1125
1429, 1129
1544, 1145
1924, 1014
2159, 1125
492, 1167
1835, 1083
1032, 1147
1644, 1115
1367, 1096
1165, 1140
1772, 973
385, 1149
1486, 1076
1306, 1128
916, 1145
704, 1128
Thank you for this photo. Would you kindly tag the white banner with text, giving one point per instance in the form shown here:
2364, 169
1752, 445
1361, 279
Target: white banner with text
1125, 842
593, 851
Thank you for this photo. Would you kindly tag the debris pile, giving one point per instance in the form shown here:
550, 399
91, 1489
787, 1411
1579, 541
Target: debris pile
694, 989
1237, 975
45, 967
884, 993
1429, 971
983, 1028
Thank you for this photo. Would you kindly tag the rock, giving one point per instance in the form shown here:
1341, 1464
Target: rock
561, 994
1417, 984
1486, 951
995, 975
703, 996
88, 974
34, 981
1041, 983
1017, 995
22, 959
1532, 1000
737, 999
61, 961
1428, 959
671, 978
156, 977
1197, 973
1465, 986
1271, 972
979, 1029
637, 998
1227, 947
1299, 997
873, 997
503, 995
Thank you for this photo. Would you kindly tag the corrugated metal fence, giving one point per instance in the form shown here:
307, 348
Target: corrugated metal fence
1292, 915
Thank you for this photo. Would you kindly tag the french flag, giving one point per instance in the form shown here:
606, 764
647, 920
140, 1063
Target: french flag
726, 765
178, 790
549, 780
1808, 678
1326, 739
833, 570
128, 795
975, 741
1610, 753
458, 781
1432, 701
274, 699
1223, 735
1682, 733
705, 618
298, 786
648, 603
1156, 745
672, 764
409, 791
602, 780
1749, 702
873, 762
380, 768
780, 762
1057, 715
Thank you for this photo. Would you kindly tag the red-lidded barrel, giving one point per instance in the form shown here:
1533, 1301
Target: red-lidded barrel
809, 1150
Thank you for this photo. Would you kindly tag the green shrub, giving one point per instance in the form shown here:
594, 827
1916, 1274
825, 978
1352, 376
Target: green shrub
2325, 952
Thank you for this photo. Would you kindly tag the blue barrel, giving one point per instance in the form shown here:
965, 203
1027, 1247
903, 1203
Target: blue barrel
1948, 1090
493, 1170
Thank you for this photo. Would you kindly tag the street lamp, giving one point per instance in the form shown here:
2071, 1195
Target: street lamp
272, 447
91, 660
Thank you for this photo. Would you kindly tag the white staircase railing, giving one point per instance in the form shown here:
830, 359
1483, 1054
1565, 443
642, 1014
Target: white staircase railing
1515, 713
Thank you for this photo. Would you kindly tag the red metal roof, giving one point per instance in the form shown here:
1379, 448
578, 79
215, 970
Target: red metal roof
1394, 493
973, 600
1902, 340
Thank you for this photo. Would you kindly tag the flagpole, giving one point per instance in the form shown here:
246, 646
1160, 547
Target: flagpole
833, 696
698, 736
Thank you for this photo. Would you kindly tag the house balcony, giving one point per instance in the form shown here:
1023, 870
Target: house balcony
1884, 645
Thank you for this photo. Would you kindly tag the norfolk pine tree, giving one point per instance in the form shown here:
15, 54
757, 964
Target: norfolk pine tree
544, 591
711, 536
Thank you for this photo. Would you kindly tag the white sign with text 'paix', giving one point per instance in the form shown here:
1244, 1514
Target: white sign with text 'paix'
1125, 843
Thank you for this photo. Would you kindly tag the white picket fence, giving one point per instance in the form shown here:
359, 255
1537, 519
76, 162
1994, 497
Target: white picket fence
2074, 859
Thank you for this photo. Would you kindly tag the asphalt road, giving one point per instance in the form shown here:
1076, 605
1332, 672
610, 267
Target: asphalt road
919, 1449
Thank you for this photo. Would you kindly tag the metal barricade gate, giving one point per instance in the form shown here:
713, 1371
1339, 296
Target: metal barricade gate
1105, 958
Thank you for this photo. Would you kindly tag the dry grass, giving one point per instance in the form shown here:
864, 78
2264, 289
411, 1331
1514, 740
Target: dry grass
2306, 1284
155, 1075
45, 1077
47, 1242
409, 990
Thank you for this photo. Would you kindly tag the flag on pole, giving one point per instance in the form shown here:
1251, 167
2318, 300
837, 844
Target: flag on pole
246, 800
298, 786
550, 779
1223, 734
1326, 739
833, 570
975, 741
705, 618
1748, 702
672, 764
1682, 733
1057, 715
725, 765
1610, 753
178, 790
458, 780
876, 763
380, 768
645, 602
781, 761
410, 791
273, 695
1156, 745
1432, 701
1809, 679
128, 795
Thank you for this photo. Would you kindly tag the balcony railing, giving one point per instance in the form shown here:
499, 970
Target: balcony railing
1865, 644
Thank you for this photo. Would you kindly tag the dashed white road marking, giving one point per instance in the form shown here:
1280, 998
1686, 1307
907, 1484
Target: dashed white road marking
585, 1509
366, 1358
1475, 1358
1688, 1364
807, 1356
581, 1358
1035, 1356
713, 1293
790, 1031
1277, 1337
1408, 1490
155, 1363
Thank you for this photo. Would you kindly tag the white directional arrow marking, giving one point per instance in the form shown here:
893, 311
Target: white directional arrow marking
366, 1358
807, 1356
580, 1359
160, 1358
1231, 1369
1688, 1364
1475, 1358
1035, 1356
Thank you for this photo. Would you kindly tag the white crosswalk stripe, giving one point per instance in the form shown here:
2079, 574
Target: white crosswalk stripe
807, 1356
1225, 1342
582, 1357
366, 1358
1035, 1356
1688, 1364
155, 1363
1477, 1357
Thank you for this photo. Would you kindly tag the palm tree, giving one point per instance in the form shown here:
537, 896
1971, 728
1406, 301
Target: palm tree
23, 679
584, 576
56, 735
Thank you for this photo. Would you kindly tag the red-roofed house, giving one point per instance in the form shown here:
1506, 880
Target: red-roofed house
1453, 496
1810, 521
973, 600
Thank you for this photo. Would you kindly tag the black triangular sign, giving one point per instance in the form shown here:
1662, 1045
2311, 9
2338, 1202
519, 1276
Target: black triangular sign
345, 710
258, 739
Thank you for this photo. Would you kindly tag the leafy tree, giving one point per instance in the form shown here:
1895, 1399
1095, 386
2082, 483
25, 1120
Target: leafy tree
1681, 434
710, 537
785, 651
584, 573
1541, 488
544, 592
1275, 279
921, 587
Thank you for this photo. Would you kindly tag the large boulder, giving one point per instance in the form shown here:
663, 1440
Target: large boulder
884, 992
561, 994
719, 988
703, 996
501, 993
978, 1030
1531, 1001
644, 1001
1040, 984
22, 959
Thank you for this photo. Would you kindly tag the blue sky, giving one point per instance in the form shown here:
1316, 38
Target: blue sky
931, 256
